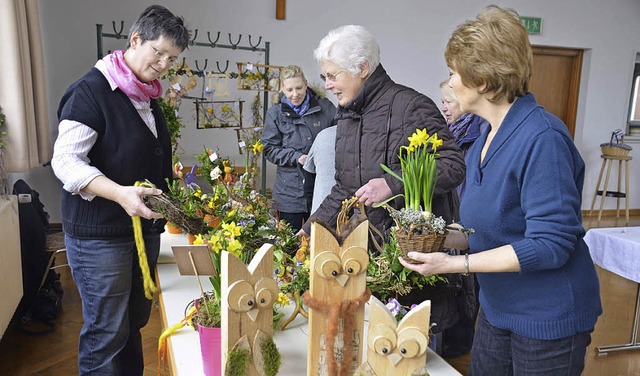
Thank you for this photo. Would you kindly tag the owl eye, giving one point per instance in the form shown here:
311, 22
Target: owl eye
327, 264
382, 339
266, 292
241, 296
412, 342
354, 260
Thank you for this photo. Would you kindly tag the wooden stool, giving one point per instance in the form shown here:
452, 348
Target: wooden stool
608, 159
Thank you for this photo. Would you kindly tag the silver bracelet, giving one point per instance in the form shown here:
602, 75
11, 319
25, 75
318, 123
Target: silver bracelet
466, 264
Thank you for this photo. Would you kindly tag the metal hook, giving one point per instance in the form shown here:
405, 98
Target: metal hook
235, 45
195, 35
206, 61
225, 68
254, 46
213, 43
184, 63
118, 33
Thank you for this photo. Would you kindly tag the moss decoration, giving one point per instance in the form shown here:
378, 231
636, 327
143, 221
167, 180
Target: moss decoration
271, 357
238, 362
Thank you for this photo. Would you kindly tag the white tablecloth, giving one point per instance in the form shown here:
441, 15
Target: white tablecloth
184, 346
616, 250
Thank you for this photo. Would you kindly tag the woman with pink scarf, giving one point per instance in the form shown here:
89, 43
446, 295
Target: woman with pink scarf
112, 134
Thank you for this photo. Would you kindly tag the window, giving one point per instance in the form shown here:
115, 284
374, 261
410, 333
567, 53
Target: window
634, 101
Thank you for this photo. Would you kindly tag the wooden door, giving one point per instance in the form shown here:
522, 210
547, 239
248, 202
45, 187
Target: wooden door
556, 81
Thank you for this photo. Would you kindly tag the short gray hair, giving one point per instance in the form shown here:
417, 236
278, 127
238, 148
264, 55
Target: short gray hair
349, 47
157, 21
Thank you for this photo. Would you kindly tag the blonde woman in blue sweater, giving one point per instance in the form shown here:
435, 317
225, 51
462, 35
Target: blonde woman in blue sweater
539, 292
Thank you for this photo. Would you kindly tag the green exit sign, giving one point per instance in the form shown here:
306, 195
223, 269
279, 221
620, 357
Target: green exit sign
532, 24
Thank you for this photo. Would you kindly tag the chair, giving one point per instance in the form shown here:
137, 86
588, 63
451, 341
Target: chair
607, 160
54, 245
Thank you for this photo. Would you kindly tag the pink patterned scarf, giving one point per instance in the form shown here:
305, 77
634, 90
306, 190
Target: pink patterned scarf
127, 81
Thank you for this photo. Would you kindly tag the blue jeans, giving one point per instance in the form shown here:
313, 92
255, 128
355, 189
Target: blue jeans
114, 308
499, 352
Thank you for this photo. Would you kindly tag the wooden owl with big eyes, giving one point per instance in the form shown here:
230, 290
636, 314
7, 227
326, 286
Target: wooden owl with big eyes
336, 299
396, 349
248, 294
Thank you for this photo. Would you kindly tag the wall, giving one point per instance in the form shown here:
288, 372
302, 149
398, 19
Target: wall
412, 35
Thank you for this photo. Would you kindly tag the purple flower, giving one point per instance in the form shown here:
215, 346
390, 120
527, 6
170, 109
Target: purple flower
394, 306
190, 177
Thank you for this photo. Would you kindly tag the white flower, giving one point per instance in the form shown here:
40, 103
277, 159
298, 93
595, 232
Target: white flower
213, 157
216, 173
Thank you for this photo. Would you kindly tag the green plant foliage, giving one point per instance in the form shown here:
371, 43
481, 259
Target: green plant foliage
387, 278
174, 125
209, 314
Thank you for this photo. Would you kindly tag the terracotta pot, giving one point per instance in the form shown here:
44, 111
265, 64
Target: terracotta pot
173, 228
212, 221
210, 347
191, 238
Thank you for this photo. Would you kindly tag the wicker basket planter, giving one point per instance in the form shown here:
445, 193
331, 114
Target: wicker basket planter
615, 150
424, 243
616, 146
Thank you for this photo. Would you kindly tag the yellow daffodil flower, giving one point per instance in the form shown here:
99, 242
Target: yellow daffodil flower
231, 229
283, 299
199, 240
419, 138
258, 147
235, 248
435, 142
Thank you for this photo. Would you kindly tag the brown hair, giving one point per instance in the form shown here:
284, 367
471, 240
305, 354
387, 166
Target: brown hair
493, 51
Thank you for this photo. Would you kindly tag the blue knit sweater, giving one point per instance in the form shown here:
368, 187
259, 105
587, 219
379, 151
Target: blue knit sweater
527, 193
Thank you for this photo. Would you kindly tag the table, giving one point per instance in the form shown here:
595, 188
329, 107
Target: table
177, 291
618, 250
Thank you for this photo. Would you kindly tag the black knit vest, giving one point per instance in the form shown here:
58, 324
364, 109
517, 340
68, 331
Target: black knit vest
126, 151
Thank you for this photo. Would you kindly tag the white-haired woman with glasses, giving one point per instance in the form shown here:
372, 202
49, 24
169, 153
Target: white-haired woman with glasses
111, 134
290, 127
375, 118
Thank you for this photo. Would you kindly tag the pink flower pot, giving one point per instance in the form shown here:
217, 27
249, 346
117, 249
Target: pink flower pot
210, 347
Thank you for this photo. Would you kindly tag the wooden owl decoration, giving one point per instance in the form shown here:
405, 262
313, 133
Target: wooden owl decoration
396, 349
336, 298
248, 294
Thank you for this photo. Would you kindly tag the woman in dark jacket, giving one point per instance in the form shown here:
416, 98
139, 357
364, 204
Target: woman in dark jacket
289, 130
375, 118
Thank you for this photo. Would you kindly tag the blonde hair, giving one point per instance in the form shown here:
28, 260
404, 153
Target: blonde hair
492, 51
447, 90
292, 71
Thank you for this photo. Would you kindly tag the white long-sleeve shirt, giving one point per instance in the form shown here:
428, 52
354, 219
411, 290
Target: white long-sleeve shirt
70, 161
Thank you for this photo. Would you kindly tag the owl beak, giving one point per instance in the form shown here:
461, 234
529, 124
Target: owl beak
394, 359
253, 314
342, 279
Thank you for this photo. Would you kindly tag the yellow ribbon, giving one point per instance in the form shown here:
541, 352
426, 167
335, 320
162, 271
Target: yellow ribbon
149, 287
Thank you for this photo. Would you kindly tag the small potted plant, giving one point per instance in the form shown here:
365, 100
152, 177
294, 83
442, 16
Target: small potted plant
416, 227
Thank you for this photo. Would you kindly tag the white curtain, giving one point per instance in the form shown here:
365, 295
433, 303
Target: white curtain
22, 86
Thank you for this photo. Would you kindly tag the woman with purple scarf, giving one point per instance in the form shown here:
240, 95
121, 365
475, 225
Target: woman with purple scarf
465, 128
290, 128
112, 134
